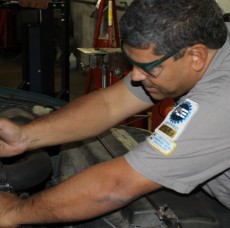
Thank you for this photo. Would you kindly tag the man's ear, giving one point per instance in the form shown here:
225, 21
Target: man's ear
199, 56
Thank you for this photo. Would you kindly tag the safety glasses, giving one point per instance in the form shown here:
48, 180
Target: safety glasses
152, 68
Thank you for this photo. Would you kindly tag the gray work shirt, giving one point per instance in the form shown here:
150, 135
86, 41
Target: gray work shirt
192, 146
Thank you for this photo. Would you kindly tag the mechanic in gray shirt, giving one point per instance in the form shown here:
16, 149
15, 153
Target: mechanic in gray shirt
179, 49
196, 133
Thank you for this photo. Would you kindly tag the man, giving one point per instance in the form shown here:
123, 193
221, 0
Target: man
179, 49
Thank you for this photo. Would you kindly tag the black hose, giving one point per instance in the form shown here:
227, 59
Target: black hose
27, 172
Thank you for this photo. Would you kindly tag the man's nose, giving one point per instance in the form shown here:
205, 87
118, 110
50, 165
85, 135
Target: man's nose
137, 75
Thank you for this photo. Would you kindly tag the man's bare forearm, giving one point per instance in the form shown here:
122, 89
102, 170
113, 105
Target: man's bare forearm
76, 121
85, 117
86, 195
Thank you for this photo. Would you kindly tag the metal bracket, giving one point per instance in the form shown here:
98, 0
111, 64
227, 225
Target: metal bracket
168, 216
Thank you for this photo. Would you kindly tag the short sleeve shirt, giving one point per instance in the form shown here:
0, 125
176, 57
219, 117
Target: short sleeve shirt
192, 145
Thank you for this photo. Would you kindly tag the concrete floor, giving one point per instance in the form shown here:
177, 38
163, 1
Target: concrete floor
11, 74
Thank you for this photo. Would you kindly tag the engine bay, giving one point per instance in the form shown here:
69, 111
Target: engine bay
36, 170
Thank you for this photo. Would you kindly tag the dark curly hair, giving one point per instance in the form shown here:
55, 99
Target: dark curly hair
173, 25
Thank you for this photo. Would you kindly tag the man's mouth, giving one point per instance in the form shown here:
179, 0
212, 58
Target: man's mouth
151, 89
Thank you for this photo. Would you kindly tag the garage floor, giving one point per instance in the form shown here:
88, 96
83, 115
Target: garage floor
11, 74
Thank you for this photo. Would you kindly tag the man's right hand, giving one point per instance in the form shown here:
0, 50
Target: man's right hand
12, 139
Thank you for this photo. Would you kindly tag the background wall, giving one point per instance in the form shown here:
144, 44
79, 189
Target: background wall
225, 5
84, 23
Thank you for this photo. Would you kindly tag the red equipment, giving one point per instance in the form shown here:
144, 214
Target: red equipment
100, 76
